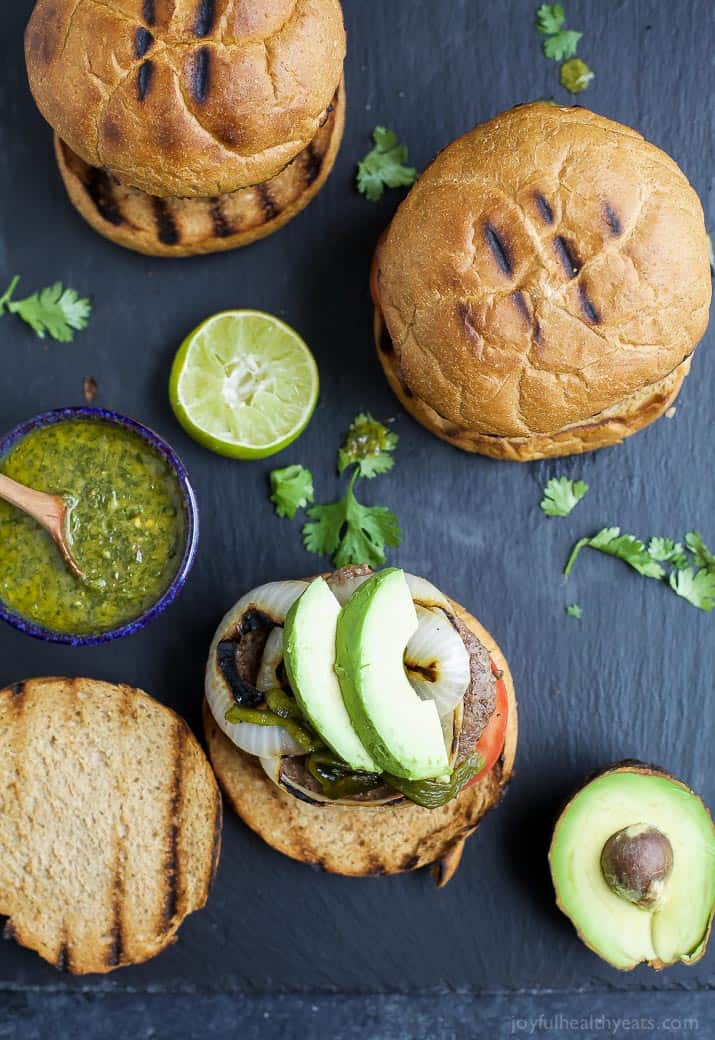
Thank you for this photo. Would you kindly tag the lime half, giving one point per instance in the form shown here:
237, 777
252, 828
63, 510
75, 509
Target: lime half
244, 384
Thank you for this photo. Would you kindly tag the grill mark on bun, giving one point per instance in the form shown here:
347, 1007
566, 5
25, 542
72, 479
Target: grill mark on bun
144, 78
172, 864
165, 224
148, 12
587, 306
567, 255
63, 962
98, 186
205, 14
466, 317
201, 75
312, 164
545, 211
143, 40
499, 248
536, 332
222, 226
521, 305
612, 219
270, 208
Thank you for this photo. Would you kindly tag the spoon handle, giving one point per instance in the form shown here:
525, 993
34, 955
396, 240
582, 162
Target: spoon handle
46, 509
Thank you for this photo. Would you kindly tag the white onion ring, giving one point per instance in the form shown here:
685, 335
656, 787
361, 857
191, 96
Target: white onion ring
275, 600
273, 770
267, 678
437, 646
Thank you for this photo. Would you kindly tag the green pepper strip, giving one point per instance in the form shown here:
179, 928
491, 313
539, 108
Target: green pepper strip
282, 704
336, 779
307, 741
433, 793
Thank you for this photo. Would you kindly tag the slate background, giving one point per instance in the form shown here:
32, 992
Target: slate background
633, 678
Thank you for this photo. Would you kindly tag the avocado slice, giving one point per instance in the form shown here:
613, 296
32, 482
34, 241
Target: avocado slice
633, 865
401, 732
309, 657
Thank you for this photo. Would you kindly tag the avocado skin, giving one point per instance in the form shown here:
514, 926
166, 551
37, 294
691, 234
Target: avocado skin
630, 765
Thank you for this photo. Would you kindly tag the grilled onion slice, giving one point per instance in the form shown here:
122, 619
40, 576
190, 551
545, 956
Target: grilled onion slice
263, 607
437, 661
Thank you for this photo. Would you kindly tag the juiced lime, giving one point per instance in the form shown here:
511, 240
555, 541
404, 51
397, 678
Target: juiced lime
244, 384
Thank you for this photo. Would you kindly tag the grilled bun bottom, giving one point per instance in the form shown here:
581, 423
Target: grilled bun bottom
604, 429
364, 841
190, 226
110, 823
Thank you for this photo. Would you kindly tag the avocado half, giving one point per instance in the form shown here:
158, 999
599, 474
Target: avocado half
633, 864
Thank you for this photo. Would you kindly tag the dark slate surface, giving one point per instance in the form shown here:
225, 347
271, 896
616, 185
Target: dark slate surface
634, 678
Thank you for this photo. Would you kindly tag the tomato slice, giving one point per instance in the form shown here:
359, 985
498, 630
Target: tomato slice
491, 743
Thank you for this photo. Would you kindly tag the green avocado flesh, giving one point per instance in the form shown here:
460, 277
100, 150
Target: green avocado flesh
309, 656
618, 930
126, 526
402, 733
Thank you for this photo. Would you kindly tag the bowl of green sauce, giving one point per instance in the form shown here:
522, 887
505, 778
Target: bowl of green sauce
133, 526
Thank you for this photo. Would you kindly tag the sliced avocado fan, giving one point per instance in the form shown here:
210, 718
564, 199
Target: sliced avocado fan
633, 865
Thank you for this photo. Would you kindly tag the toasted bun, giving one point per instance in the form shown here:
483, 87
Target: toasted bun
186, 98
363, 841
110, 822
542, 287
184, 227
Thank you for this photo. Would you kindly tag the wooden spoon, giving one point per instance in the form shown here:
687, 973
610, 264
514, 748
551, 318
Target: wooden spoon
50, 512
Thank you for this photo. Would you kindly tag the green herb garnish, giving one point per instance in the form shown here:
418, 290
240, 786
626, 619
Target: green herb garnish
292, 489
55, 310
695, 583
625, 547
575, 76
384, 166
350, 532
561, 495
368, 445
560, 43
574, 610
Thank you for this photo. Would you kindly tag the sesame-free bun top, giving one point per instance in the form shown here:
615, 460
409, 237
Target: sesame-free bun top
543, 284
186, 97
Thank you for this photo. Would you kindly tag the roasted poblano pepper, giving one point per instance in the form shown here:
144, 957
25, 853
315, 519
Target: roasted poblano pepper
335, 777
433, 793
308, 741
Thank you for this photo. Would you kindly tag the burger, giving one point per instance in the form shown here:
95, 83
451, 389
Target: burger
189, 128
542, 288
361, 722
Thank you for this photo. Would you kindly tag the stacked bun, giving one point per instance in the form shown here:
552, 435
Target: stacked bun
543, 286
189, 127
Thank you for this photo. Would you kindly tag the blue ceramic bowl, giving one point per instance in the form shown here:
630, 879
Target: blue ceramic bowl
191, 514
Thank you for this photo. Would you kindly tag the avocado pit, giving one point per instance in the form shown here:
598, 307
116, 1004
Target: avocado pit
636, 863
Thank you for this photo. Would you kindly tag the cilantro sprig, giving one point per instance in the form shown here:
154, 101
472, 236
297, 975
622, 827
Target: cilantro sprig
347, 530
574, 610
562, 495
292, 489
54, 311
561, 44
691, 579
384, 166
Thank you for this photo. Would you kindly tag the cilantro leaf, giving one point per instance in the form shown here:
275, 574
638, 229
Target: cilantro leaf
574, 610
562, 46
665, 550
701, 553
625, 547
561, 495
575, 76
698, 587
54, 310
292, 489
351, 532
384, 166
368, 445
549, 18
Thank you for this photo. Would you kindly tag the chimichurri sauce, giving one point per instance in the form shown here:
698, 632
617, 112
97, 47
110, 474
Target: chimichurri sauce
126, 523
